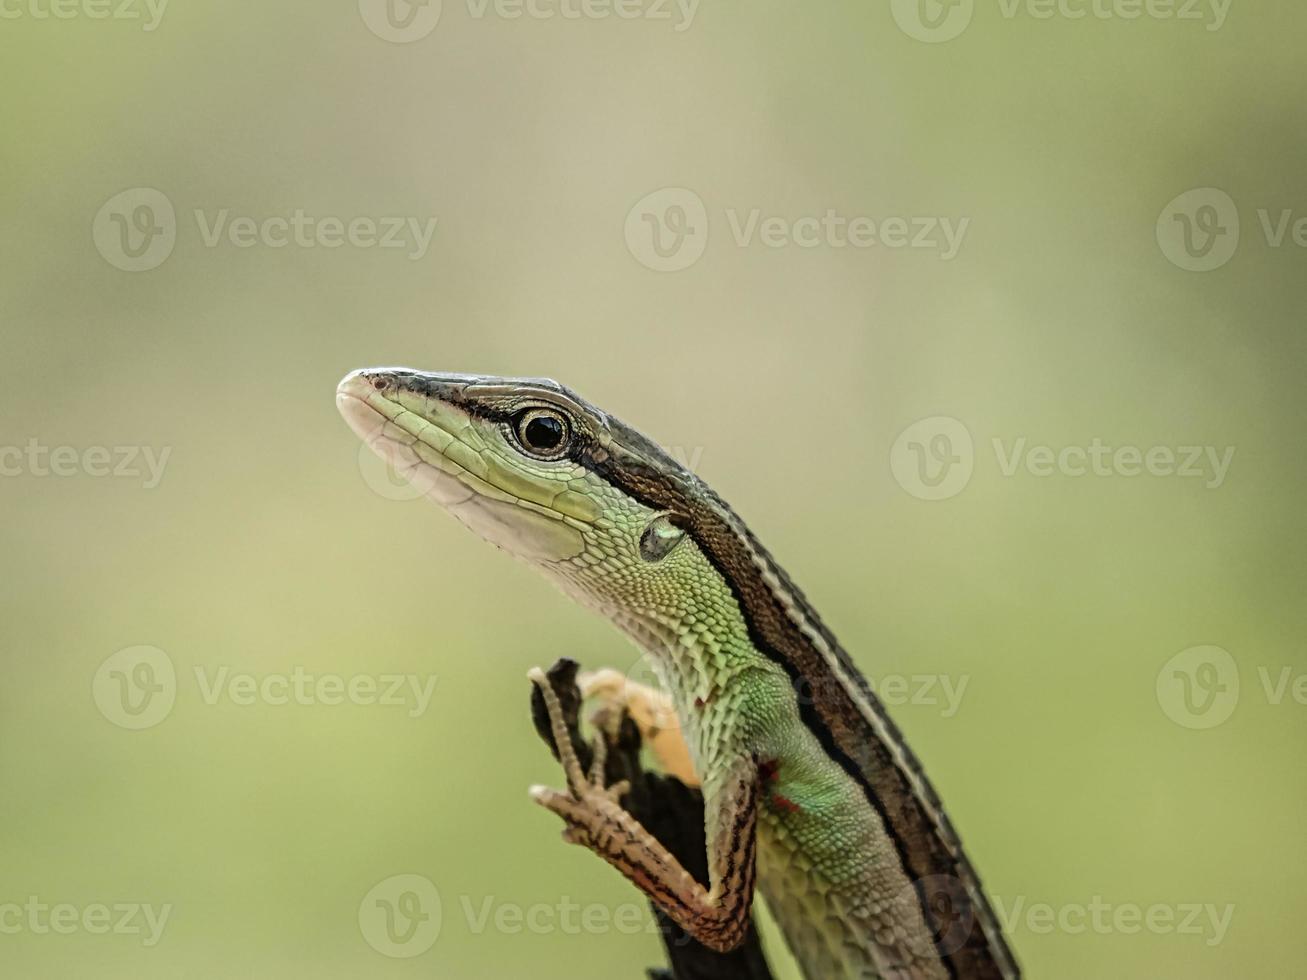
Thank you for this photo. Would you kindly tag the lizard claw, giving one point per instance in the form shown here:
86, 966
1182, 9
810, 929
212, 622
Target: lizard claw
587, 797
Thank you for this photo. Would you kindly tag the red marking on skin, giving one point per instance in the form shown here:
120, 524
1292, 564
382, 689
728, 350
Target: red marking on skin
769, 769
698, 702
781, 803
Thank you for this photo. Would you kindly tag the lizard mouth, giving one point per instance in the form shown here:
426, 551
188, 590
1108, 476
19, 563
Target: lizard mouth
413, 422
396, 435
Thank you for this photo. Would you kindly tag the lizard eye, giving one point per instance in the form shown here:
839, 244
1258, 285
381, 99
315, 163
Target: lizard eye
542, 432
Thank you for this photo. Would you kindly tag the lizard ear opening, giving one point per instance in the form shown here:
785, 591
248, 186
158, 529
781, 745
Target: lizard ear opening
659, 538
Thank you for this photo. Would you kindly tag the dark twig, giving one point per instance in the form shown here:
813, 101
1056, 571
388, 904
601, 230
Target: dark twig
669, 810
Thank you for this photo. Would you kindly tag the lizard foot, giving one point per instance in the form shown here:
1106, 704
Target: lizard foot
588, 803
618, 696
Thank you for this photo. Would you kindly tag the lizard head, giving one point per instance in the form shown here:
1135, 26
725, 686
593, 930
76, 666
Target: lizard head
527, 464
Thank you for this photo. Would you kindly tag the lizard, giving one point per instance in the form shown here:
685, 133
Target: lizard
811, 794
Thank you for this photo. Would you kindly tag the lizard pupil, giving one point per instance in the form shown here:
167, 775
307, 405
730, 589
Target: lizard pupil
543, 432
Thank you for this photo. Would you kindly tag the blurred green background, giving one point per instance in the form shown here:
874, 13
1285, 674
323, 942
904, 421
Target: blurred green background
1074, 766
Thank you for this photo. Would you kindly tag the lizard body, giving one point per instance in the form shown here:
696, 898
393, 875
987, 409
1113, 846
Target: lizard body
810, 790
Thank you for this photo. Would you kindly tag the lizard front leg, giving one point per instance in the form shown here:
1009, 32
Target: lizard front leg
652, 711
717, 916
